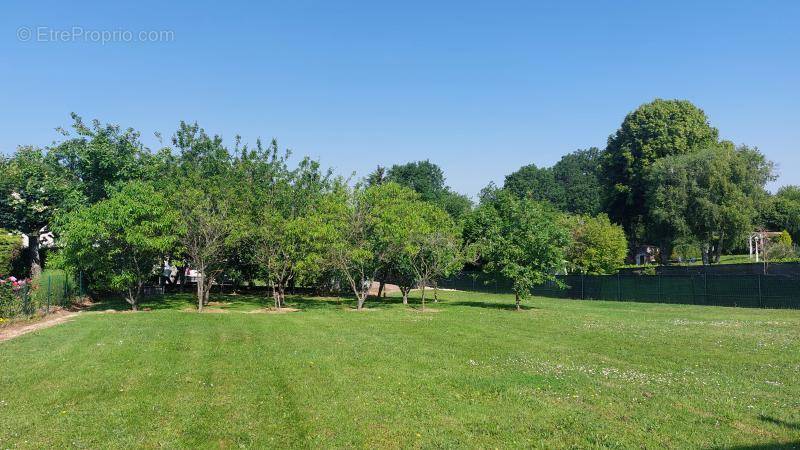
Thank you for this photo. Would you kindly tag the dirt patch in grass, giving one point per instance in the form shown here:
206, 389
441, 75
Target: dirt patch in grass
283, 310
206, 310
219, 303
19, 328
426, 310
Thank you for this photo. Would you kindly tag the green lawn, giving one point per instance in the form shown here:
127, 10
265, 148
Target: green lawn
563, 373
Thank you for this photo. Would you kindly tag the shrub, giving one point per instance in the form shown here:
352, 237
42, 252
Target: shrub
14, 299
10, 250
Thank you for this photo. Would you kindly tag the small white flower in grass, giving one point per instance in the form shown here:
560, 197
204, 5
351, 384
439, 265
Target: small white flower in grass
473, 362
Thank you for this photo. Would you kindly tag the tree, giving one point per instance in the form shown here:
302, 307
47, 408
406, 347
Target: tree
33, 190
655, 130
290, 232
782, 211
369, 228
571, 185
427, 180
377, 176
598, 247
708, 196
100, 156
119, 242
519, 239
206, 235
537, 184
577, 173
435, 247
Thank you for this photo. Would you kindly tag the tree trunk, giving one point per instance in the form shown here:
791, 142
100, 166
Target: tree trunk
423, 296
705, 252
516, 299
718, 250
404, 291
381, 287
664, 251
276, 296
200, 293
33, 249
361, 298
435, 292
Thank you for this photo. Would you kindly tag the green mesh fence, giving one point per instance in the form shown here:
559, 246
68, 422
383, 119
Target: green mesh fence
748, 291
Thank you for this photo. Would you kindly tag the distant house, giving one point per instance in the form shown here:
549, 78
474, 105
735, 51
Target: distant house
646, 254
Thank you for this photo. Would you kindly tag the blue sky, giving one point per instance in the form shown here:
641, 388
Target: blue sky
480, 88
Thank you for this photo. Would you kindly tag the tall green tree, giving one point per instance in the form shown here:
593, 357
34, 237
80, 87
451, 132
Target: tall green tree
34, 188
427, 180
709, 196
654, 130
571, 185
100, 156
519, 239
536, 183
782, 211
119, 242
578, 175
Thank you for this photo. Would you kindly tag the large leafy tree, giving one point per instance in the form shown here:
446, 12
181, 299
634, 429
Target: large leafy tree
100, 156
33, 190
709, 197
782, 211
289, 230
577, 173
654, 130
427, 180
519, 239
119, 242
536, 183
571, 185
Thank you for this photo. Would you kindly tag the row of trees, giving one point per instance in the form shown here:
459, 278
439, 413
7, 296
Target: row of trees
119, 211
667, 178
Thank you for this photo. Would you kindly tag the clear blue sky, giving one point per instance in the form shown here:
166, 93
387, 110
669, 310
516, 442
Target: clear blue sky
478, 88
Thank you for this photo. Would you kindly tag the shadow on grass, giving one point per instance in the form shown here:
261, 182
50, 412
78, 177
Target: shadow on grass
771, 446
493, 305
780, 423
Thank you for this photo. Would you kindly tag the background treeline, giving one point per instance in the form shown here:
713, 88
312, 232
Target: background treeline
250, 213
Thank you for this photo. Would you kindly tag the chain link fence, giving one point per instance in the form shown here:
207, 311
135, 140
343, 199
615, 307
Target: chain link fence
51, 291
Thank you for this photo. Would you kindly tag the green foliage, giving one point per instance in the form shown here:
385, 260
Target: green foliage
571, 185
598, 246
708, 196
10, 251
119, 241
101, 156
782, 211
655, 130
33, 188
427, 180
519, 239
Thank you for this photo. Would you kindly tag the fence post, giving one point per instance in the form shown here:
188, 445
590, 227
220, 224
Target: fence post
660, 291
760, 298
48, 294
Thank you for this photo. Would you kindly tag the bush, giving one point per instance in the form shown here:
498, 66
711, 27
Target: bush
14, 300
10, 250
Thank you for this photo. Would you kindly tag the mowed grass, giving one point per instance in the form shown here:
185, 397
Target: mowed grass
562, 373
